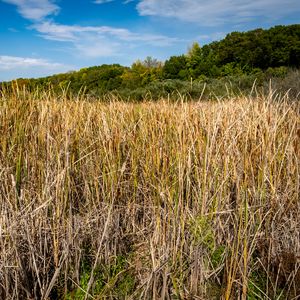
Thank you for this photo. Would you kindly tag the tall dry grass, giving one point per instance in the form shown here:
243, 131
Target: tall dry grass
149, 201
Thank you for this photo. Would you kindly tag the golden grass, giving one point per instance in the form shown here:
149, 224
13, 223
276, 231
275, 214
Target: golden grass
197, 200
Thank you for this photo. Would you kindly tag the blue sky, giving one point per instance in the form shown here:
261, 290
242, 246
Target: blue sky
43, 37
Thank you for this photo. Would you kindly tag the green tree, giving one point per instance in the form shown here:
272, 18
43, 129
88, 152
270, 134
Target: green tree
176, 68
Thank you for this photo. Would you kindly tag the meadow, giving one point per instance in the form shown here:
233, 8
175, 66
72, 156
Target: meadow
150, 200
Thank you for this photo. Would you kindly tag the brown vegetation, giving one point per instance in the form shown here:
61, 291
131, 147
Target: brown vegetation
149, 201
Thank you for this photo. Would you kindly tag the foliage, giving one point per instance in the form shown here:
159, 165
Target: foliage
267, 54
114, 278
176, 68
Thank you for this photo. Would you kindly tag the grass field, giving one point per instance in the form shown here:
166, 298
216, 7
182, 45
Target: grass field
162, 200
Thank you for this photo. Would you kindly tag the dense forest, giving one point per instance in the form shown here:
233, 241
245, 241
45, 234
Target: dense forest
237, 61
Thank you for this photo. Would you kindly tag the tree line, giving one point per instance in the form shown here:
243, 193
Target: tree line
256, 54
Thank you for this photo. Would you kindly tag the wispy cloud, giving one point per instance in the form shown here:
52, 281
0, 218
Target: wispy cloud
12, 67
99, 41
107, 1
15, 62
102, 1
90, 41
218, 12
14, 30
215, 36
35, 10
60, 32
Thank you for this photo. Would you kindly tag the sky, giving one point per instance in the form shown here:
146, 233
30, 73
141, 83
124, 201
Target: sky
44, 37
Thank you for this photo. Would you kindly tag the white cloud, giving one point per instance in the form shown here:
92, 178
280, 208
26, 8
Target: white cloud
15, 62
12, 67
99, 41
34, 9
72, 33
217, 12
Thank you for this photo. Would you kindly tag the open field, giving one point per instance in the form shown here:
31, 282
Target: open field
160, 200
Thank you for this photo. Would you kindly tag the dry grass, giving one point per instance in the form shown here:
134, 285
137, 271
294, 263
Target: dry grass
149, 201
